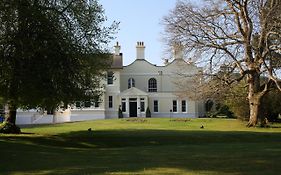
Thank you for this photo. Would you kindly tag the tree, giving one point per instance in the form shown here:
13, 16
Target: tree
236, 100
242, 36
51, 52
272, 108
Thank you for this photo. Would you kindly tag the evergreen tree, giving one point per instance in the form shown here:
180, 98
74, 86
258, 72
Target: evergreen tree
51, 52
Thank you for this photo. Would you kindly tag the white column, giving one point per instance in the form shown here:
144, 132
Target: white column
127, 106
178, 106
138, 107
146, 105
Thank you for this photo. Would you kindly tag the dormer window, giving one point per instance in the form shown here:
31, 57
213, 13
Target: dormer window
131, 83
152, 85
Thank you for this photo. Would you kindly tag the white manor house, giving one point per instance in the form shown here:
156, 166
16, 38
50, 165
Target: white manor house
133, 89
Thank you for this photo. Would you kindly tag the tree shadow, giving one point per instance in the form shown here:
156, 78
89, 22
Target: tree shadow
132, 151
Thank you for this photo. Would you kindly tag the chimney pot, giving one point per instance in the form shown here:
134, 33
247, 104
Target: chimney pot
117, 48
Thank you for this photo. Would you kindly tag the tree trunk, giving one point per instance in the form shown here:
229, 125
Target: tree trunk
12, 113
254, 103
254, 96
10, 126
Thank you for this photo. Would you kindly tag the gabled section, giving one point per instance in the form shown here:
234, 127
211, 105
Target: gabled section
133, 92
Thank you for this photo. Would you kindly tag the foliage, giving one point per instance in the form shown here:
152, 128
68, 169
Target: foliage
239, 37
147, 113
7, 127
52, 51
236, 100
271, 105
220, 110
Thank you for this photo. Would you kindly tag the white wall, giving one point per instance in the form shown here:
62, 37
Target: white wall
167, 90
33, 117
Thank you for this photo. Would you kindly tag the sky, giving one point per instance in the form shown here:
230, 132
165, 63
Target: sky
140, 20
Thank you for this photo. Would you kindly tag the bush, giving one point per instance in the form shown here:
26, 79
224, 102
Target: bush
147, 113
9, 128
120, 113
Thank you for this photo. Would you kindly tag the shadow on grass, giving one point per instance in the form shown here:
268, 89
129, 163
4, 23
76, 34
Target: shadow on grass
132, 151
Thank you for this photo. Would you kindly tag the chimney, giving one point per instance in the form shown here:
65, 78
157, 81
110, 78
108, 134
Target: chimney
178, 51
117, 48
140, 50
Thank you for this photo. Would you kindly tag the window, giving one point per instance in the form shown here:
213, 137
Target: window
131, 83
175, 108
110, 77
142, 105
183, 106
152, 85
110, 101
155, 107
123, 105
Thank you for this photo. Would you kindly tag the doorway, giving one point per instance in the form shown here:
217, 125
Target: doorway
133, 108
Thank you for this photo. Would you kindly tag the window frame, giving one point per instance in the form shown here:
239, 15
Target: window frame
152, 85
175, 106
110, 77
183, 106
155, 106
142, 105
131, 83
110, 101
123, 105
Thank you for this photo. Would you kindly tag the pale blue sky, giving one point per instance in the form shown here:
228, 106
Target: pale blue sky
139, 21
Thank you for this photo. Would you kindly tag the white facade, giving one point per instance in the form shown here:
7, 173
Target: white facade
135, 88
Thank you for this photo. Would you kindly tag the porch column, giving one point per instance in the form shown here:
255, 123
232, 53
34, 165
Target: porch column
179, 106
146, 105
127, 106
138, 106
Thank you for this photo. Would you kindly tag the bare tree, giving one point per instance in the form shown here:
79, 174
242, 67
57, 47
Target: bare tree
241, 35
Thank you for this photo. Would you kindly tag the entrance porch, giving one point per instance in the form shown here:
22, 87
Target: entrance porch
134, 102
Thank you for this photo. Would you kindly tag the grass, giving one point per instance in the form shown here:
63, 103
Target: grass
147, 146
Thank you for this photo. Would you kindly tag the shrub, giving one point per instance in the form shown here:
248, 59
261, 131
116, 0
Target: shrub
147, 113
9, 128
120, 113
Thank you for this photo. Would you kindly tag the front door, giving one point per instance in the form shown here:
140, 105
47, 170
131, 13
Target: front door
133, 109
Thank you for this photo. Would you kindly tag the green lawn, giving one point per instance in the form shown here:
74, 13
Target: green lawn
148, 146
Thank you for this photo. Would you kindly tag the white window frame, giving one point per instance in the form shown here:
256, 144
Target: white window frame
152, 85
110, 101
175, 106
110, 79
131, 83
185, 106
154, 106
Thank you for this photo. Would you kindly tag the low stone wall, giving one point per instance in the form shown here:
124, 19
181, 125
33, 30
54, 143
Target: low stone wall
83, 115
61, 116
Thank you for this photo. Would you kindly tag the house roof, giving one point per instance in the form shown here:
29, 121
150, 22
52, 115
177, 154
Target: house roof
133, 92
